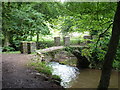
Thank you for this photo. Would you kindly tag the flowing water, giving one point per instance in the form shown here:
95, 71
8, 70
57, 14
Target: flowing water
86, 78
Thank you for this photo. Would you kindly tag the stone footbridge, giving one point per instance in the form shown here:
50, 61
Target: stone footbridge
30, 47
54, 48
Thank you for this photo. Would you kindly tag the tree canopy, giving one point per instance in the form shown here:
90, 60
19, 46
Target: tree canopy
28, 20
31, 21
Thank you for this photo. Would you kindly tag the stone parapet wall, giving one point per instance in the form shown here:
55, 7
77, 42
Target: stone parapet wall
27, 47
57, 41
66, 41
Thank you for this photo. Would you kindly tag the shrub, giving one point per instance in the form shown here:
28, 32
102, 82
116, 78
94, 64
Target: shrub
56, 77
7, 48
116, 65
42, 67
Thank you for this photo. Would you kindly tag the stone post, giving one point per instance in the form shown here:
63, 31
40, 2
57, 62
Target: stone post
66, 41
57, 41
31, 46
87, 37
23, 47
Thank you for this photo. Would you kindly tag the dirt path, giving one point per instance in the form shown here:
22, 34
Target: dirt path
16, 74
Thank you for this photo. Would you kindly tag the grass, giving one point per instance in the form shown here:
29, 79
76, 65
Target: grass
42, 67
56, 77
10, 52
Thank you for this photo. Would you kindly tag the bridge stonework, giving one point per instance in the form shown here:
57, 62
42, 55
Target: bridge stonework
57, 41
66, 41
31, 47
23, 47
27, 47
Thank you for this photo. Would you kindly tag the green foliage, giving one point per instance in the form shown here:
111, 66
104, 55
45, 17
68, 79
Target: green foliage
118, 53
23, 21
42, 67
16, 44
116, 64
85, 52
92, 17
11, 52
96, 53
56, 77
49, 9
20, 21
45, 44
7, 48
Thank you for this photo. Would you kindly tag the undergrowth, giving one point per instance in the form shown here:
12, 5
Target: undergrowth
42, 67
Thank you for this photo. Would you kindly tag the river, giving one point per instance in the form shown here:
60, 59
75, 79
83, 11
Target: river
85, 78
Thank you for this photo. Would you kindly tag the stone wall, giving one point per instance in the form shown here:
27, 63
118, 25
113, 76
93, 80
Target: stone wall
66, 41
57, 41
31, 47
27, 47
23, 47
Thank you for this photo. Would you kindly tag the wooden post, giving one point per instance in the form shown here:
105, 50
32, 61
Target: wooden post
66, 41
57, 41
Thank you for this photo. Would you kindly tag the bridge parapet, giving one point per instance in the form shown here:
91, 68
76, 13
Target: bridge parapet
52, 51
57, 41
66, 41
27, 47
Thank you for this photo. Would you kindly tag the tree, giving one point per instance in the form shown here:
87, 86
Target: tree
21, 22
49, 9
112, 48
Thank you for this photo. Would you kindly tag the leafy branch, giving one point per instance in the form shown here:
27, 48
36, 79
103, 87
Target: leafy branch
102, 34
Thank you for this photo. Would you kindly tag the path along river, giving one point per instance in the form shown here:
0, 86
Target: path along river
86, 78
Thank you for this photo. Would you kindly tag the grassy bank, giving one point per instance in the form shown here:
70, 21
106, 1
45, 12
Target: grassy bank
43, 68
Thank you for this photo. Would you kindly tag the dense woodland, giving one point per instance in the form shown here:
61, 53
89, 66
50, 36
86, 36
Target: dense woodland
28, 21
23, 21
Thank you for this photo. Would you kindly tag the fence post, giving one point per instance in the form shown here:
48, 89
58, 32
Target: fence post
88, 38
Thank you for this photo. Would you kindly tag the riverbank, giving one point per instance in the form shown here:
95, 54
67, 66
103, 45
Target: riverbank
16, 73
83, 78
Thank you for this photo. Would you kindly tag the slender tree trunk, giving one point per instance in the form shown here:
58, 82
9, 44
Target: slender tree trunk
7, 39
6, 33
37, 37
109, 57
37, 42
31, 32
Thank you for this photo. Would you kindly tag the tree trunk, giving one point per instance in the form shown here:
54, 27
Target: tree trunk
37, 42
112, 48
6, 40
37, 37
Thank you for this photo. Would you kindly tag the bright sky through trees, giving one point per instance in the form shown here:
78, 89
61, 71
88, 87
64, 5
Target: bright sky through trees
62, 1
